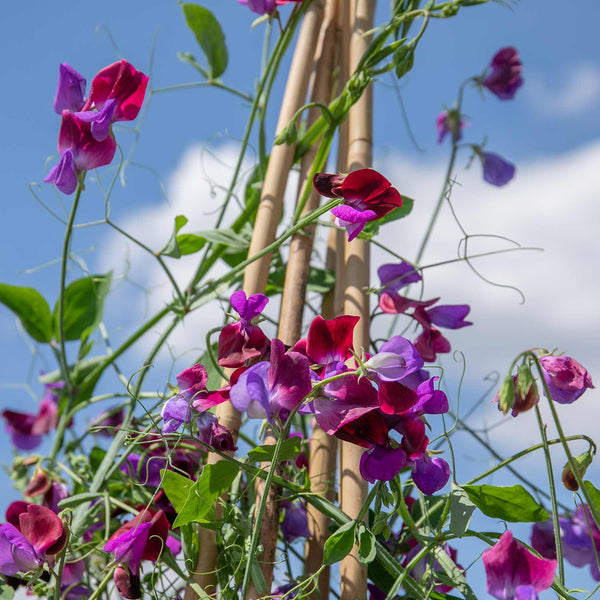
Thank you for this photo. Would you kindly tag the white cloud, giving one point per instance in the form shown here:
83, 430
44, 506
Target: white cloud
579, 91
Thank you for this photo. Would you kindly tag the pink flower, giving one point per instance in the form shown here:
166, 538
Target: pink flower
514, 573
565, 377
368, 195
449, 122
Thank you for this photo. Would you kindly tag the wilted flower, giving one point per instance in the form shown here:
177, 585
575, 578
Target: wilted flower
514, 573
504, 78
368, 196
521, 403
565, 377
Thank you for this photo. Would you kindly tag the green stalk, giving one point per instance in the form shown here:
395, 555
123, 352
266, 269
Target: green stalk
100, 589
552, 485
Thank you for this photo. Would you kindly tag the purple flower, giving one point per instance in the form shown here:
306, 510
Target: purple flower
128, 547
449, 122
70, 94
265, 7
496, 170
283, 591
394, 276
295, 521
397, 358
504, 78
108, 421
272, 390
430, 474
127, 583
241, 341
542, 539
34, 534
565, 377
214, 435
513, 572
382, 463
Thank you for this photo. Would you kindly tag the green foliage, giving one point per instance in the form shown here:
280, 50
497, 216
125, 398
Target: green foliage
214, 376
461, 509
339, 544
506, 395
594, 494
404, 60
366, 545
289, 450
172, 247
193, 501
84, 303
319, 280
31, 308
210, 37
514, 503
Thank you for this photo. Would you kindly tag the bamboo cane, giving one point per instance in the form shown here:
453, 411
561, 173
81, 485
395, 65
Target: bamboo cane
267, 218
353, 488
323, 447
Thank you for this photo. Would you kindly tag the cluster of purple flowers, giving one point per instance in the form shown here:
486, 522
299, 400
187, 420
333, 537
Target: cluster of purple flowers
502, 78
85, 140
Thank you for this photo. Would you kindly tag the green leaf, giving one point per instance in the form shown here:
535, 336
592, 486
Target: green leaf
372, 227
339, 544
366, 545
514, 503
209, 35
506, 395
289, 450
461, 509
594, 494
404, 60
77, 499
190, 243
214, 377
172, 247
31, 308
6, 592
177, 488
202, 495
84, 303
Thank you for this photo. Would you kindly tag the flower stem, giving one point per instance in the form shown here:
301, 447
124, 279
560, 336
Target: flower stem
552, 486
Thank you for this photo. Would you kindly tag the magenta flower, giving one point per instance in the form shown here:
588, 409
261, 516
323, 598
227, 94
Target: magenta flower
241, 341
368, 196
108, 422
329, 342
496, 170
26, 429
272, 390
265, 7
32, 534
70, 93
449, 122
79, 151
504, 78
382, 463
565, 377
117, 94
214, 435
514, 573
127, 584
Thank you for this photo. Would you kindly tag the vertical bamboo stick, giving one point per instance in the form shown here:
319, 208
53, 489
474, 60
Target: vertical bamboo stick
267, 218
323, 447
353, 489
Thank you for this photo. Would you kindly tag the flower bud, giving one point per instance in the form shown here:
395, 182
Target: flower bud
583, 461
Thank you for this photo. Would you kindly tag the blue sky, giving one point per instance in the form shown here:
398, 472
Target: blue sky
551, 131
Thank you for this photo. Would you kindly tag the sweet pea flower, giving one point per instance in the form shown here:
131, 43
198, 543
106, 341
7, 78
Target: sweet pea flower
514, 573
241, 341
214, 435
272, 390
368, 196
33, 534
295, 521
565, 377
117, 94
266, 7
397, 358
449, 122
496, 170
70, 93
504, 77
79, 152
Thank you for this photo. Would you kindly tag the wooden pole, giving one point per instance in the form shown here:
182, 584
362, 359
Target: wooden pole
265, 227
323, 447
353, 488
